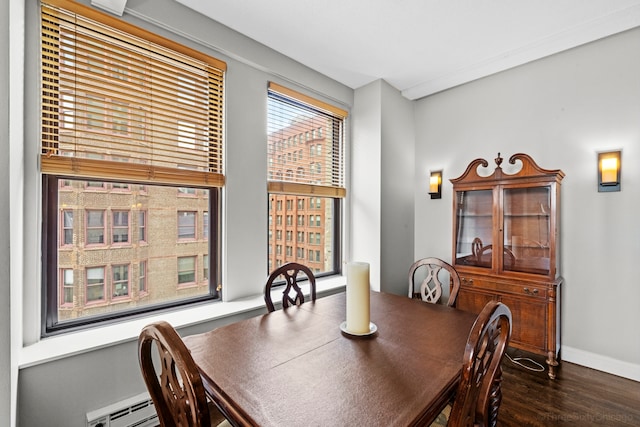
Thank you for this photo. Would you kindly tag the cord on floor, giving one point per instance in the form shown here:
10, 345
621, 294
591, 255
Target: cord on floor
537, 367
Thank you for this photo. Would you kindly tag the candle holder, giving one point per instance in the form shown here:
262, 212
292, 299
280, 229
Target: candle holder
372, 331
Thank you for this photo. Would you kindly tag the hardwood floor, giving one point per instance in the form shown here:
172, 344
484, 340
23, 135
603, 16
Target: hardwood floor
578, 397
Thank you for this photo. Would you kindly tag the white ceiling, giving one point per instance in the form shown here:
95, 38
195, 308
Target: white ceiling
420, 46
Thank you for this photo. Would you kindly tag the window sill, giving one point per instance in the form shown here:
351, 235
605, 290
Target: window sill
73, 343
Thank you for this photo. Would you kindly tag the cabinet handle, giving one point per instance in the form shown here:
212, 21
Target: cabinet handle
530, 292
469, 281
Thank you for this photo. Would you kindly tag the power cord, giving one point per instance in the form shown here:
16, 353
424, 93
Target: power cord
537, 367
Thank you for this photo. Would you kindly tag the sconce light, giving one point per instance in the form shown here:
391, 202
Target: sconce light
609, 171
435, 184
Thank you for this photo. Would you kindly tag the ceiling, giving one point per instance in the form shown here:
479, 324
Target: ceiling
420, 46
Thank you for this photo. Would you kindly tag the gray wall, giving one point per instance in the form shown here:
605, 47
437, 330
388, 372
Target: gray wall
560, 110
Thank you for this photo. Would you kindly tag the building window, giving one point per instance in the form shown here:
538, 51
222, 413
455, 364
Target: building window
186, 270
186, 225
120, 281
120, 227
142, 118
142, 226
95, 284
205, 267
142, 276
67, 227
95, 227
67, 287
205, 225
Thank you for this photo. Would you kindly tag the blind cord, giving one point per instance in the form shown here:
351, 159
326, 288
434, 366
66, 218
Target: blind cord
537, 367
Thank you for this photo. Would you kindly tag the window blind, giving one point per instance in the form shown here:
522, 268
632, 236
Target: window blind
119, 102
305, 145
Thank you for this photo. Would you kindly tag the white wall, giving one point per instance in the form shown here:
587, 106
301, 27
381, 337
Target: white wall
560, 110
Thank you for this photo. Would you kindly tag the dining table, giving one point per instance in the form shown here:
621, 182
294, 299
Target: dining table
298, 367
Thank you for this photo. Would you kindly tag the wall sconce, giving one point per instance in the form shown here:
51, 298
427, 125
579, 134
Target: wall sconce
435, 184
609, 171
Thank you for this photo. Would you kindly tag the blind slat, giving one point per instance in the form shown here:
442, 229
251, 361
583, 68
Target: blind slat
110, 97
305, 146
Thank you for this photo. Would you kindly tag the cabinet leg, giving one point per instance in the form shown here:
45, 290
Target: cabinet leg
553, 363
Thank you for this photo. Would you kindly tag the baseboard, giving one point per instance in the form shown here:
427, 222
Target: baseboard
601, 363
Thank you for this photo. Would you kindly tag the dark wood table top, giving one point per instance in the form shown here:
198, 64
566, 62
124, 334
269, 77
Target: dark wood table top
295, 367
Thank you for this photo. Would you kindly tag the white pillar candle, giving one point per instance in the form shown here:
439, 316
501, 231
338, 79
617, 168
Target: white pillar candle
358, 297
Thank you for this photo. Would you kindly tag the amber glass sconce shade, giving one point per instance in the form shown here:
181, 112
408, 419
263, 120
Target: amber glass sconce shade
609, 171
435, 185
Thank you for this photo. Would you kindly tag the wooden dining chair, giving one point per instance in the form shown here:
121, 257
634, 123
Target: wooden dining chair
479, 395
173, 380
292, 294
430, 289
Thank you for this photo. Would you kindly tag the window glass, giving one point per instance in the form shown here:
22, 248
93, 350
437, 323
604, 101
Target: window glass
295, 173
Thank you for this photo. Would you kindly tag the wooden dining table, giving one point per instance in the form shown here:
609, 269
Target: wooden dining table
296, 367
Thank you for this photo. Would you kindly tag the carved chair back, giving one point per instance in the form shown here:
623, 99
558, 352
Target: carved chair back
479, 393
430, 289
175, 385
292, 293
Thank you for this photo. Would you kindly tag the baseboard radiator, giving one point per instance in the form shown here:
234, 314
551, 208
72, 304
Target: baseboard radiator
137, 411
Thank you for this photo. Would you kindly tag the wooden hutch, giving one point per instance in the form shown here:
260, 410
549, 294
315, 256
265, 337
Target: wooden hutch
505, 247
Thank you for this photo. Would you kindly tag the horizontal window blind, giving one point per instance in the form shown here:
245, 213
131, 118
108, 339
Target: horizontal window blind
305, 145
121, 103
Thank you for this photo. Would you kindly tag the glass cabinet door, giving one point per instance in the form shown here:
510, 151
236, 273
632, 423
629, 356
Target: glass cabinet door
527, 229
474, 228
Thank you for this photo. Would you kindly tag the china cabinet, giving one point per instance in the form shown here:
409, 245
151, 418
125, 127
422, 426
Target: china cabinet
505, 247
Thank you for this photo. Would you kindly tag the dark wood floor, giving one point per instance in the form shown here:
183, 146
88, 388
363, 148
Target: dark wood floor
578, 397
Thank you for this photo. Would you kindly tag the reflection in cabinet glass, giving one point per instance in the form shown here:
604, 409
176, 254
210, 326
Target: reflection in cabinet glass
505, 247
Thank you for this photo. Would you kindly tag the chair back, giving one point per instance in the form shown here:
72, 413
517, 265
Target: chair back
430, 289
292, 294
174, 384
479, 396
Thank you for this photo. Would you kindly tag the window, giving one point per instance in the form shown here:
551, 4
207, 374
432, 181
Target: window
95, 284
67, 286
132, 129
142, 226
95, 227
205, 267
186, 225
67, 227
312, 124
205, 225
120, 281
186, 270
120, 227
142, 276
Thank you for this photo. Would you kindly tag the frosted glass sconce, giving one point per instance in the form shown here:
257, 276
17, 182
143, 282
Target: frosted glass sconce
435, 185
609, 171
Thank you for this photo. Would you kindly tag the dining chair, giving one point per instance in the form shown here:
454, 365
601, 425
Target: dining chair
292, 273
173, 380
431, 287
479, 395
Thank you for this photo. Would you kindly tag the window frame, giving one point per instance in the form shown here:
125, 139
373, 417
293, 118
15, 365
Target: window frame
57, 166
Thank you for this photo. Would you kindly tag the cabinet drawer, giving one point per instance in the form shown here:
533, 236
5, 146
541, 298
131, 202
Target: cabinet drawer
538, 290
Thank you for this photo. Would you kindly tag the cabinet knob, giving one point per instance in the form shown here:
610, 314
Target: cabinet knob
531, 292
469, 281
